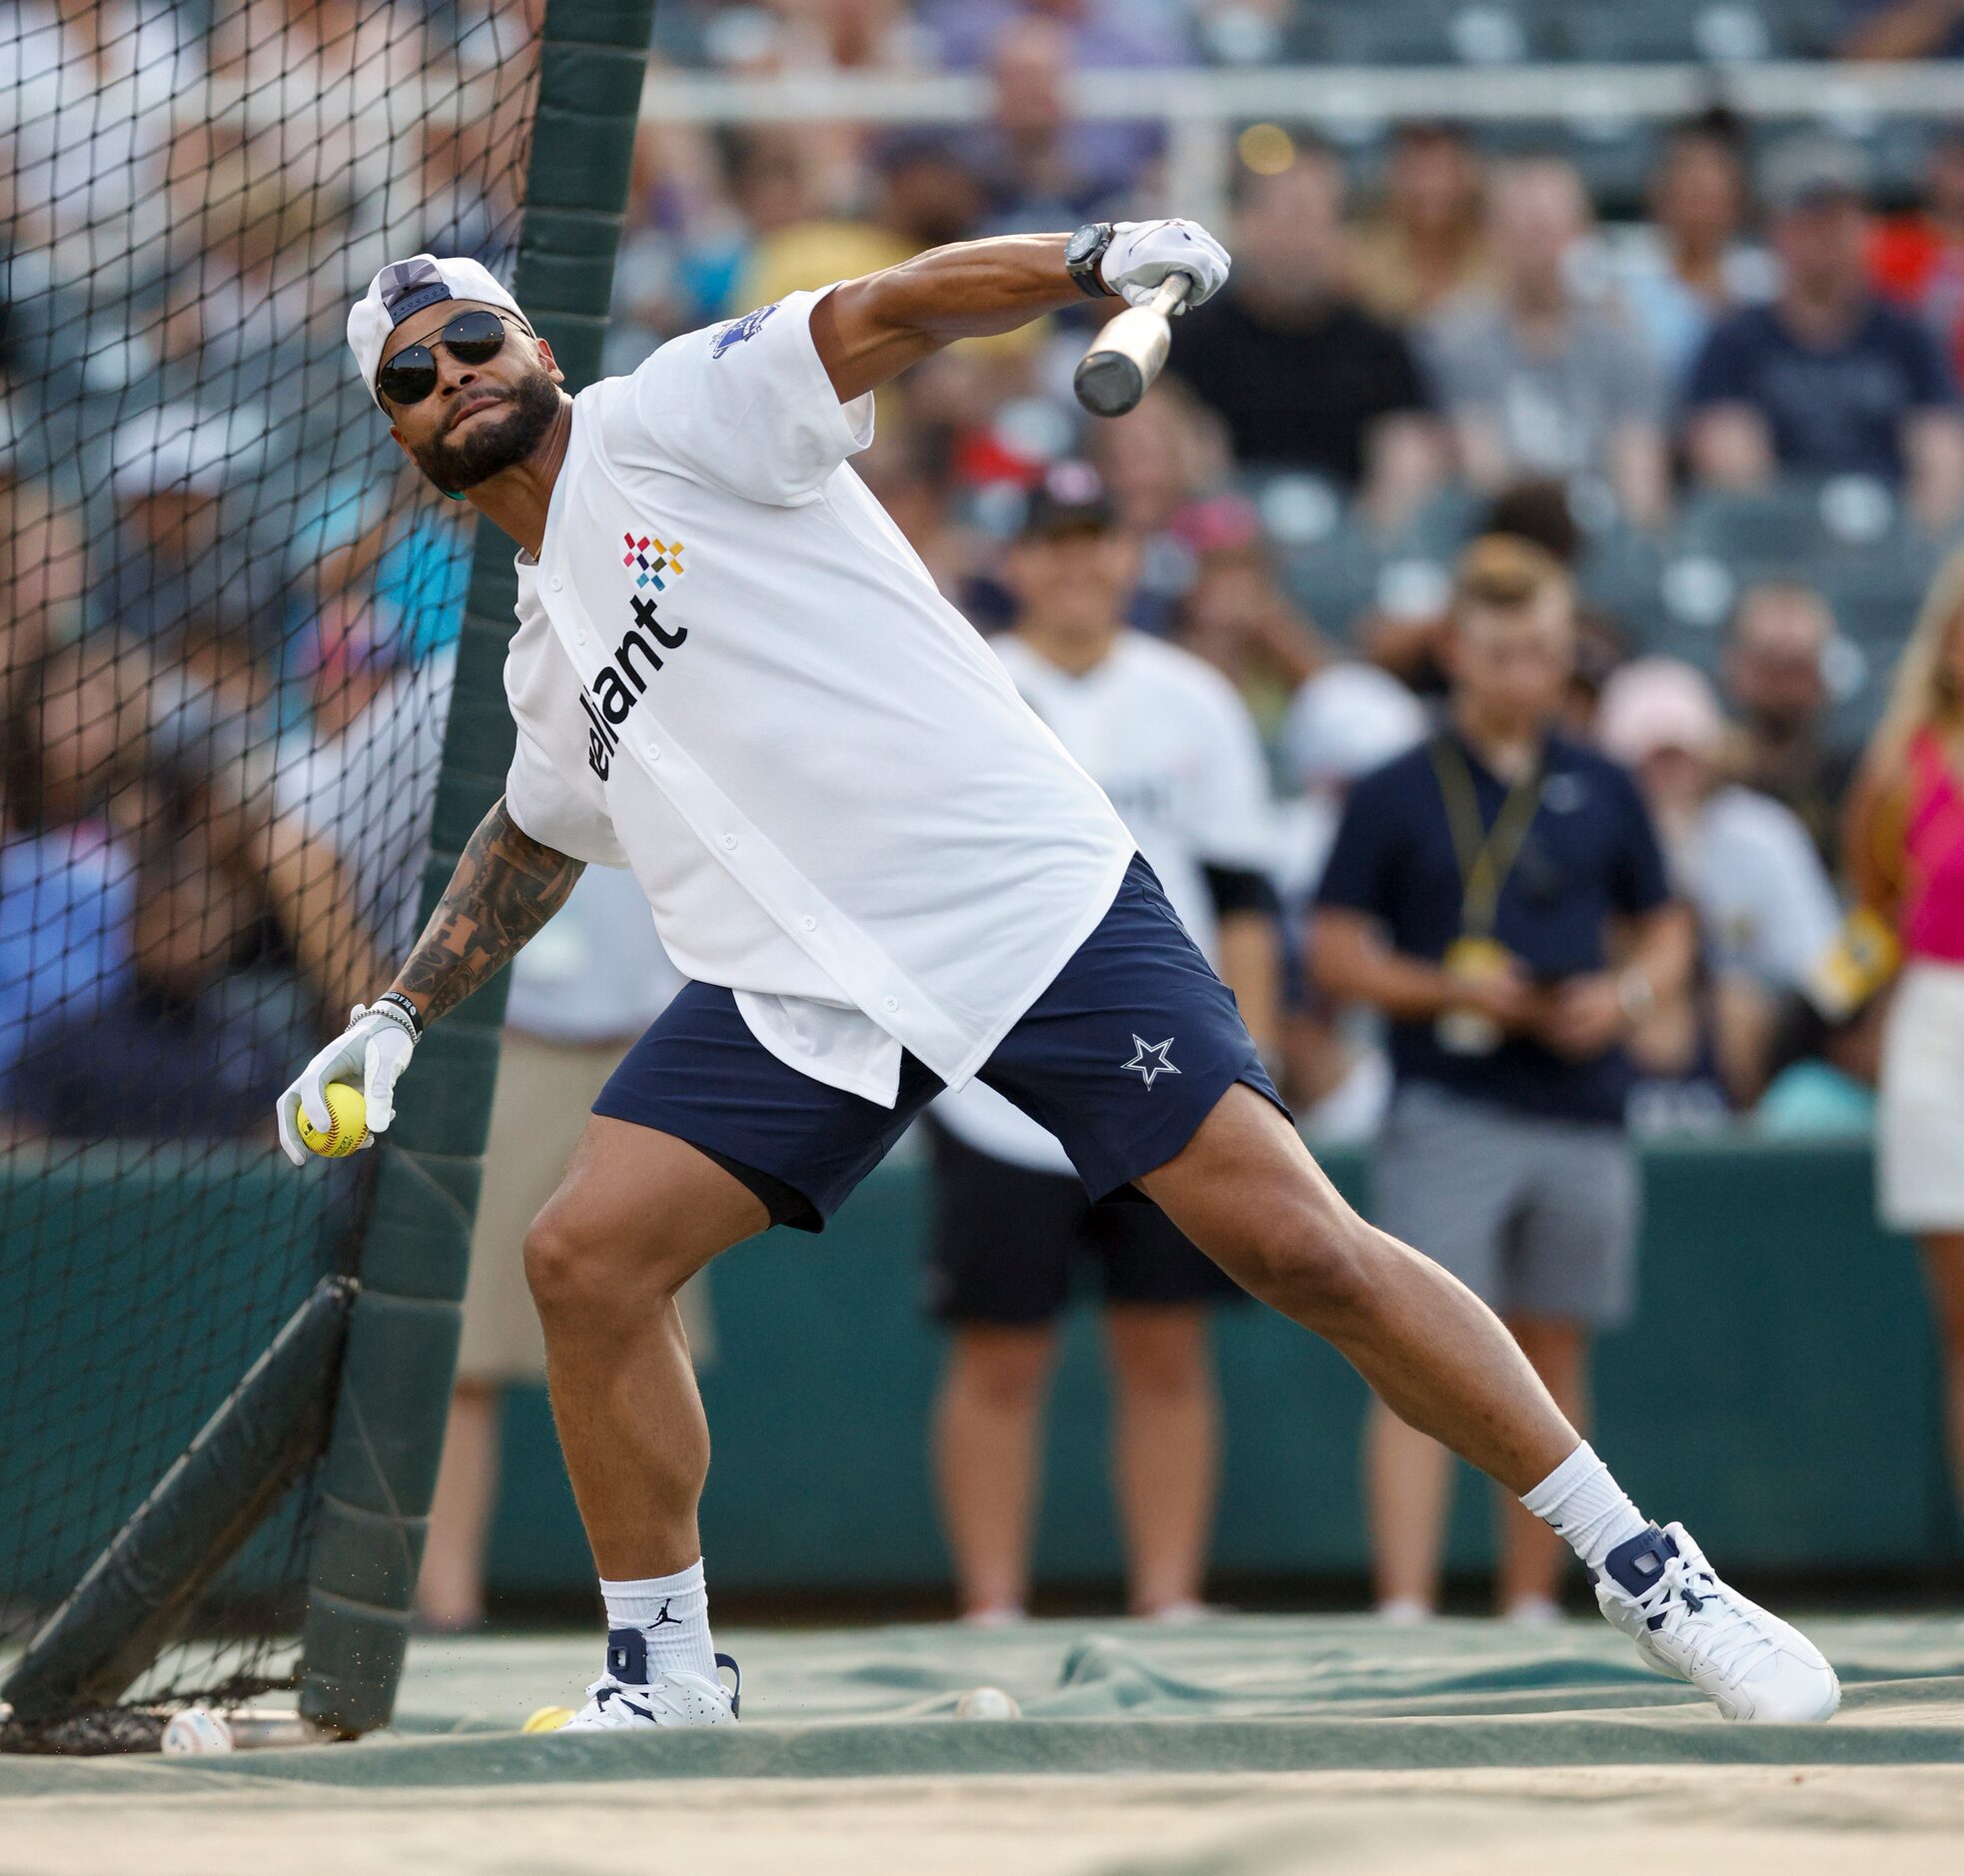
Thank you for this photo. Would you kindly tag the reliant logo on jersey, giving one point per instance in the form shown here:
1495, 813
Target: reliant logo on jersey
624, 678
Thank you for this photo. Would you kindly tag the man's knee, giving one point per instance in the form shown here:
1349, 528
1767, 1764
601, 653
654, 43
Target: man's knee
1160, 1351
1305, 1254
574, 1267
560, 1264
1002, 1370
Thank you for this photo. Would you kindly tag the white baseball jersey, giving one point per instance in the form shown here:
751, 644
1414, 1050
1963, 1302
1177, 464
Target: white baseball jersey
1173, 746
732, 675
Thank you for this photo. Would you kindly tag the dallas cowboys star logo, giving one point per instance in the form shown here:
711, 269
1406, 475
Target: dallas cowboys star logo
1151, 1058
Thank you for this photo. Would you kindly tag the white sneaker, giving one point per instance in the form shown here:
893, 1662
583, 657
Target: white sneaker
626, 1700
1659, 1590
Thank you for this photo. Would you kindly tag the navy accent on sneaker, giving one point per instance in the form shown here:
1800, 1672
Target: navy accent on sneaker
736, 1692
627, 1656
1637, 1562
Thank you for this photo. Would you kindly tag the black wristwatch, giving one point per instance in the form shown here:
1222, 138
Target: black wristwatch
1086, 248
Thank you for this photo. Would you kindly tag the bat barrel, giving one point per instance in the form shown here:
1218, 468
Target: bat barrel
1128, 354
1108, 383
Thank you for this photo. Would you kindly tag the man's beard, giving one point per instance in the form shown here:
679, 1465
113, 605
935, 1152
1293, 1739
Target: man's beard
488, 448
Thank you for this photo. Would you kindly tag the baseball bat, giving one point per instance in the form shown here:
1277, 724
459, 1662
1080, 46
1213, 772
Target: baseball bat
1129, 351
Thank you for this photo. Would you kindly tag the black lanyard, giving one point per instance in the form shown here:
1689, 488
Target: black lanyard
1486, 855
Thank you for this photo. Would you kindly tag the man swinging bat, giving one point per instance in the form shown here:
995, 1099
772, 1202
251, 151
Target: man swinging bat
884, 877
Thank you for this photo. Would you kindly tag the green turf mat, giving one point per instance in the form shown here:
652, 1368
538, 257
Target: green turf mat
1234, 1695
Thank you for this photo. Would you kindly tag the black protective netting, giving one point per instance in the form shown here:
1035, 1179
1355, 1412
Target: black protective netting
227, 620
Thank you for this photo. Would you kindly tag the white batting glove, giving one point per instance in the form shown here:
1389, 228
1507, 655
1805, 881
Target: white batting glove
1141, 253
375, 1048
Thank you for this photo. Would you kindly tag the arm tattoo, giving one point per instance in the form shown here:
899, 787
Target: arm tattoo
504, 888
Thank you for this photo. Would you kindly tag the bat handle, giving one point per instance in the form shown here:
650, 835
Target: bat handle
1172, 294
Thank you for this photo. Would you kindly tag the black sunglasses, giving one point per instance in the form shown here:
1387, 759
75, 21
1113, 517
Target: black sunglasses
473, 337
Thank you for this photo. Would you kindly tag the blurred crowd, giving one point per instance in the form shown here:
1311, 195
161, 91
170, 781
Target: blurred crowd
227, 618
1718, 383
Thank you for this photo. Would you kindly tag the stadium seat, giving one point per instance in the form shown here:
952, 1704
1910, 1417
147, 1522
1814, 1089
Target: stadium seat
1335, 581
1615, 160
1858, 679
1297, 507
1711, 32
1756, 532
1900, 153
1427, 32
1877, 596
1448, 521
1620, 573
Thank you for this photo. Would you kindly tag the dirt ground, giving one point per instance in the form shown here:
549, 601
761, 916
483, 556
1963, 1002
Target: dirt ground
1893, 1821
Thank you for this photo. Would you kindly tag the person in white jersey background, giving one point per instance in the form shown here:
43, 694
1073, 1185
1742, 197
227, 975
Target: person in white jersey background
883, 877
1177, 755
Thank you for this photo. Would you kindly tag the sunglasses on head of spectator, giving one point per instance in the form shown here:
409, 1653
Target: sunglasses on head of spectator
472, 338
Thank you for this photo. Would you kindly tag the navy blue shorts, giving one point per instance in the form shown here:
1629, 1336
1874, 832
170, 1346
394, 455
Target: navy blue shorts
1122, 1058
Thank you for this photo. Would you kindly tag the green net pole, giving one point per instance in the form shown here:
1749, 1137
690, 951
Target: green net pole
394, 1394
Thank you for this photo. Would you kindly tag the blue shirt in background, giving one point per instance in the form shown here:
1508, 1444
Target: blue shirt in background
1835, 409
1590, 851
420, 581
67, 899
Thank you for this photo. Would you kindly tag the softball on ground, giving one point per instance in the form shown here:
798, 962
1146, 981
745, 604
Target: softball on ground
549, 1719
348, 1118
197, 1730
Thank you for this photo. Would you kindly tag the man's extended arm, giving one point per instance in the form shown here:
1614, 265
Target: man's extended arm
870, 330
504, 888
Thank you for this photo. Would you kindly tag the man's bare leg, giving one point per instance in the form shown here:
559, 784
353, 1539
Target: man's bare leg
1943, 1265
1165, 1449
1407, 1480
1246, 1190
986, 1463
1532, 1559
637, 1215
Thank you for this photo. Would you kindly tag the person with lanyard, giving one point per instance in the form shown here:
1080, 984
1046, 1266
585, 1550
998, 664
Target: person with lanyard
1472, 895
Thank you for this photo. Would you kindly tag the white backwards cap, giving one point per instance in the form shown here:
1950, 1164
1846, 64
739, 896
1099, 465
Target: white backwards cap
404, 287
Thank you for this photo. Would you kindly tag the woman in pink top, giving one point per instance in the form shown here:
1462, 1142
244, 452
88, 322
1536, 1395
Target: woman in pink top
1905, 858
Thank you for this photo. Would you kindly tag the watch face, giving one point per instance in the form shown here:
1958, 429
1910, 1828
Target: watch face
1083, 244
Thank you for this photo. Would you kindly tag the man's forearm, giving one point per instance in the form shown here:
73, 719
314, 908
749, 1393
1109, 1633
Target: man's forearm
871, 329
972, 289
504, 888
1664, 949
1351, 964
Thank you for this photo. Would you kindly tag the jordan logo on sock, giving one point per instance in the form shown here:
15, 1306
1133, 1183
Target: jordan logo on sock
672, 1621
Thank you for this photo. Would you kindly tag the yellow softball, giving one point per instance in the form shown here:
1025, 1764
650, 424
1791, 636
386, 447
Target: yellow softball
348, 1116
549, 1719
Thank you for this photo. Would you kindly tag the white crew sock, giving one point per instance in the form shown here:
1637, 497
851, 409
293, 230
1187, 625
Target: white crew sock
1584, 1504
673, 1612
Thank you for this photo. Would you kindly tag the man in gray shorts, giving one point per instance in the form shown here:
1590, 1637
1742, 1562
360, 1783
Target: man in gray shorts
1473, 893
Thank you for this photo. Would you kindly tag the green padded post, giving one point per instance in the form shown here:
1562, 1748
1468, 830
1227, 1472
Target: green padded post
133, 1600
394, 1394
